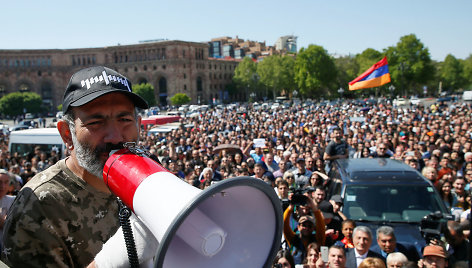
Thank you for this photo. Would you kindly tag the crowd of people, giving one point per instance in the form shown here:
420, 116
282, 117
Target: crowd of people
291, 149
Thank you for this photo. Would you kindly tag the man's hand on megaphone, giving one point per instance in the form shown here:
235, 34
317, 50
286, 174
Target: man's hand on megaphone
114, 254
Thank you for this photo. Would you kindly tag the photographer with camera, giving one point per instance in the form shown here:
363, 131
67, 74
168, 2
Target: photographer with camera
441, 230
310, 229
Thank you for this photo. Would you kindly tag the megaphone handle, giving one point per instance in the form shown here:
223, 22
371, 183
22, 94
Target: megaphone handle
123, 214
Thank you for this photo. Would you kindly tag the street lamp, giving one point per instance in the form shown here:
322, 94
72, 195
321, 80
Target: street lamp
341, 91
255, 79
252, 96
391, 88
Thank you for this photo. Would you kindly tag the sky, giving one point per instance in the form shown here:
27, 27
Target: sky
342, 27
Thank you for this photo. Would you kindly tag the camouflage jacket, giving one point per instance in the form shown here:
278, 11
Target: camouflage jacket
58, 220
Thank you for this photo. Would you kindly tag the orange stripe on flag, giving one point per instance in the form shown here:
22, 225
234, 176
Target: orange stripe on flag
376, 82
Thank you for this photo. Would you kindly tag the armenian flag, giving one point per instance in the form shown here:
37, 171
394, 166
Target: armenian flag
375, 76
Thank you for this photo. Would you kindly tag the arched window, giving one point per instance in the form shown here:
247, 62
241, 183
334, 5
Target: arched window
199, 84
163, 91
142, 80
24, 87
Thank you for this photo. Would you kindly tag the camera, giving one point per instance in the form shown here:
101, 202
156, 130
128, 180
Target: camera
298, 197
434, 225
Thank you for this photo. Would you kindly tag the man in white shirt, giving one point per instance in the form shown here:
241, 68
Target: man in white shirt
362, 239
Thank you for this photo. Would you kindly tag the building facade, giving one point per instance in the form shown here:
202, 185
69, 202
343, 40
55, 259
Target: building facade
170, 66
287, 44
228, 47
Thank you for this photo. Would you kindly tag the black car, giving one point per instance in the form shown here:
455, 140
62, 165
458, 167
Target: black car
379, 191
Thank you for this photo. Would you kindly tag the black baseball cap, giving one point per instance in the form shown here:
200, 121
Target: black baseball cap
337, 198
90, 83
327, 209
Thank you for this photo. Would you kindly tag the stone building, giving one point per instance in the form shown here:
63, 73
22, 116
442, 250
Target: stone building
228, 47
170, 66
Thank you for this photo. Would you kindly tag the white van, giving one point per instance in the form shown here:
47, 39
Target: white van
467, 96
24, 141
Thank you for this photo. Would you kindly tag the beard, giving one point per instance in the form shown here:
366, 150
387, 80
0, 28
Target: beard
91, 158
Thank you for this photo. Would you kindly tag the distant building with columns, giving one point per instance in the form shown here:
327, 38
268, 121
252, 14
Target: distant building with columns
170, 66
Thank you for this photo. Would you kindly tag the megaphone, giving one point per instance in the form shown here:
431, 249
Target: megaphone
233, 223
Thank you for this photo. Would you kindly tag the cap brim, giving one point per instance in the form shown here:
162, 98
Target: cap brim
137, 100
435, 254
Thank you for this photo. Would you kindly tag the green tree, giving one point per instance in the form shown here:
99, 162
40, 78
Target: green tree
315, 71
245, 76
451, 73
366, 59
410, 65
467, 71
145, 91
276, 73
16, 103
232, 91
347, 69
179, 99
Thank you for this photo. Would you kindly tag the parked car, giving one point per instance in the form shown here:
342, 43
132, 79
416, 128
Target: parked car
29, 116
19, 127
400, 102
414, 100
444, 99
379, 191
59, 115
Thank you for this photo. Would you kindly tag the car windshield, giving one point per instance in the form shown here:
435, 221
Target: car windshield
399, 203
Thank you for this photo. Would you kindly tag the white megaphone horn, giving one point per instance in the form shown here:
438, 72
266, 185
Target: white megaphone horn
234, 223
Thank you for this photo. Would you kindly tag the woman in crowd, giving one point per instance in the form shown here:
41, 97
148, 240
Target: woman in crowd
312, 256
365, 152
317, 179
444, 188
290, 178
283, 259
206, 175
430, 173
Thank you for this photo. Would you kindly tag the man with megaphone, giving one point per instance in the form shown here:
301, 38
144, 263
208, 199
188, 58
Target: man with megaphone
64, 215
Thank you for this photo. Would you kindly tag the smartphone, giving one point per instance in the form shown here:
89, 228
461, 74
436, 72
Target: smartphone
324, 253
